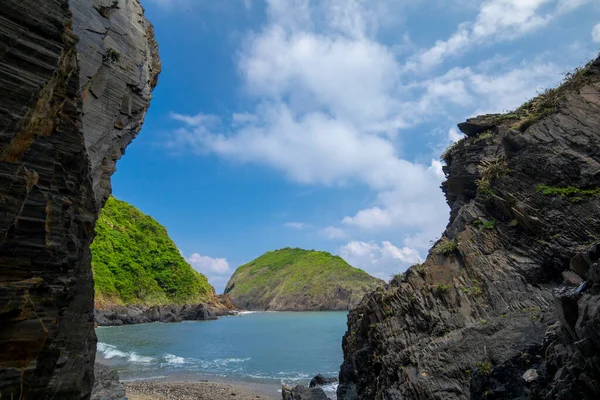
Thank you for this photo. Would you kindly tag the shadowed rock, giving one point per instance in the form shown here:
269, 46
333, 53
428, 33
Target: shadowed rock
320, 380
303, 393
76, 80
106, 384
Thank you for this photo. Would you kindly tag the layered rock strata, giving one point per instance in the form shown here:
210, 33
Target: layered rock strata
76, 79
485, 316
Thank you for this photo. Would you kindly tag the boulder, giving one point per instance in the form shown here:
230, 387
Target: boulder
571, 278
106, 384
320, 380
303, 393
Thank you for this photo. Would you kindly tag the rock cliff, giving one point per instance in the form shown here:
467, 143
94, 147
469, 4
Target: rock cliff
299, 280
76, 79
498, 310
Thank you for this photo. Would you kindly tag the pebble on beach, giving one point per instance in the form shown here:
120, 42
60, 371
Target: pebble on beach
157, 390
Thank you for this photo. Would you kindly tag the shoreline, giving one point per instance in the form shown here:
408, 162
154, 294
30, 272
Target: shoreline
161, 389
263, 388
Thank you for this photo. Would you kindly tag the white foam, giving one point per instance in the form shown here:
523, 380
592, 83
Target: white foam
234, 360
136, 358
332, 387
109, 351
173, 359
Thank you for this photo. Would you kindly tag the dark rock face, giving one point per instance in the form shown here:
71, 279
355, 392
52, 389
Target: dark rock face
320, 380
303, 393
62, 128
492, 301
475, 126
121, 315
106, 384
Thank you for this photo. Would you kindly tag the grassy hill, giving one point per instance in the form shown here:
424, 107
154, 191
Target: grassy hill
135, 262
296, 279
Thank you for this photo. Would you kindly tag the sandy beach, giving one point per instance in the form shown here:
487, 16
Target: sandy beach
164, 390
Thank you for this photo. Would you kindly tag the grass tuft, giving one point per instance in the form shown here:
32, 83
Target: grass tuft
546, 103
448, 247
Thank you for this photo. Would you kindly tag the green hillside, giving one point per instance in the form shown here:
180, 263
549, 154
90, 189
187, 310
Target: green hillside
296, 279
135, 262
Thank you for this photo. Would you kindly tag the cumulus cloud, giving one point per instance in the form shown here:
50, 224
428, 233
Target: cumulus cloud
208, 265
497, 20
378, 259
332, 102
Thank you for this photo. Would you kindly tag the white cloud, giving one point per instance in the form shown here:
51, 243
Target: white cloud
199, 119
295, 225
565, 6
334, 233
380, 260
332, 103
454, 135
208, 265
596, 33
497, 20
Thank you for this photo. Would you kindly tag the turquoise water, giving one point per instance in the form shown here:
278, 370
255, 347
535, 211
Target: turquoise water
268, 348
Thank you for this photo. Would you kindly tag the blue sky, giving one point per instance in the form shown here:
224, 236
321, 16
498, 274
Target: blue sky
319, 124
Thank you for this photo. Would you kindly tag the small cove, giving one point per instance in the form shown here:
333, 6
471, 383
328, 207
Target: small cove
266, 349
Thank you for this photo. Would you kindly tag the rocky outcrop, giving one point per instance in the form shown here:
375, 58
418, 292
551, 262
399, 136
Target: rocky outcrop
76, 79
320, 380
128, 315
494, 312
300, 392
106, 384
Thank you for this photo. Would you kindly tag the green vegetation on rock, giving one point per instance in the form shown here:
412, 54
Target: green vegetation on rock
546, 103
135, 262
296, 279
446, 247
572, 193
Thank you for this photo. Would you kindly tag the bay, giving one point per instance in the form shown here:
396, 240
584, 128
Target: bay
269, 348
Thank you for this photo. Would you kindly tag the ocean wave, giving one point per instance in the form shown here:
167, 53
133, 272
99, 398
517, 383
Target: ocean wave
218, 364
173, 359
285, 378
109, 351
231, 360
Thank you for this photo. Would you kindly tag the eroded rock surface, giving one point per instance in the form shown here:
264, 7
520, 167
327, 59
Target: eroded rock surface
76, 79
106, 384
492, 301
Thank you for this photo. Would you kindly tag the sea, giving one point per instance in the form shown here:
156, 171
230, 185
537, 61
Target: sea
260, 349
